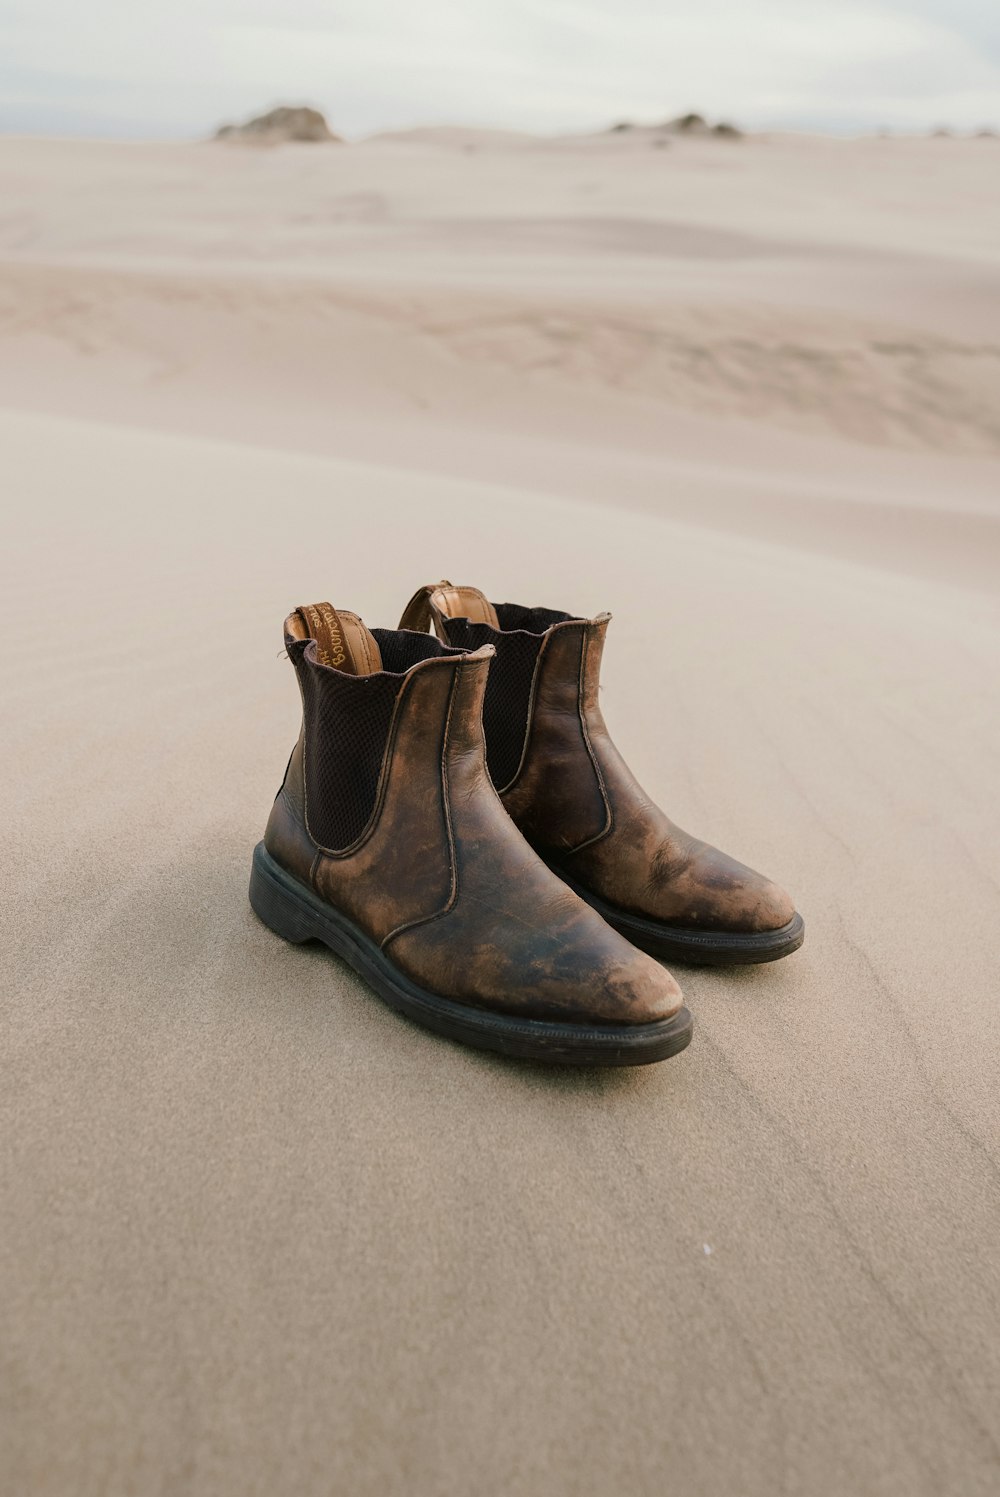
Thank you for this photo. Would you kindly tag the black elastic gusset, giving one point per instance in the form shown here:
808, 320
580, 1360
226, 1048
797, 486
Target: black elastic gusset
508, 686
508, 691
401, 648
534, 620
346, 721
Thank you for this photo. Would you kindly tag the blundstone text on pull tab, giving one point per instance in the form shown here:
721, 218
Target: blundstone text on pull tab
323, 625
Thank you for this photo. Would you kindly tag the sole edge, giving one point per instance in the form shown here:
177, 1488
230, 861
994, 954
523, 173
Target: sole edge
691, 947
295, 913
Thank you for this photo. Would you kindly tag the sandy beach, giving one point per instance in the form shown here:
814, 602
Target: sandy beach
263, 1237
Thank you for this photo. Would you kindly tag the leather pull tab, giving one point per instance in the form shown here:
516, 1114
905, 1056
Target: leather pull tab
464, 603
417, 613
442, 600
341, 639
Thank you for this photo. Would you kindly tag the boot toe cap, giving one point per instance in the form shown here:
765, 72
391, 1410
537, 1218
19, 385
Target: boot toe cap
633, 990
767, 906
753, 908
725, 895
575, 970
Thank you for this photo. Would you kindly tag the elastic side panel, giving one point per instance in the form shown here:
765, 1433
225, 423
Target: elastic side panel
401, 648
346, 728
534, 620
508, 692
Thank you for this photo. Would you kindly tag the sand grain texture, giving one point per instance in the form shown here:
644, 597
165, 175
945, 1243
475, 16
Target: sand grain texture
261, 1236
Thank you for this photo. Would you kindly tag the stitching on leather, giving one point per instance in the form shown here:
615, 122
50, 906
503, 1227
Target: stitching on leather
438, 610
373, 663
446, 801
367, 647
363, 639
529, 734
418, 613
609, 820
529, 728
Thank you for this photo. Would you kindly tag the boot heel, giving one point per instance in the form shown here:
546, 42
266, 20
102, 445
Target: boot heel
275, 906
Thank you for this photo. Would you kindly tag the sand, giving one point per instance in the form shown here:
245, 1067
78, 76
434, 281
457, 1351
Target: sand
261, 1236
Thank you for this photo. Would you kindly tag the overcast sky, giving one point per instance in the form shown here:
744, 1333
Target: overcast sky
150, 68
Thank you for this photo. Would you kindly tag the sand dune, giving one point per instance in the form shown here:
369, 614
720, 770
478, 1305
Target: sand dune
262, 1236
475, 384
855, 378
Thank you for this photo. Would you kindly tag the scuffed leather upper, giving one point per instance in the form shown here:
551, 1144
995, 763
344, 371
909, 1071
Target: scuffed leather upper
579, 804
444, 881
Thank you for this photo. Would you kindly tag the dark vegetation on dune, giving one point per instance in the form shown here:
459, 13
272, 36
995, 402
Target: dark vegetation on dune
684, 124
285, 123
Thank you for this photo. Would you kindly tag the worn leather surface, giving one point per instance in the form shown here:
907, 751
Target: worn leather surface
578, 803
449, 887
342, 640
440, 600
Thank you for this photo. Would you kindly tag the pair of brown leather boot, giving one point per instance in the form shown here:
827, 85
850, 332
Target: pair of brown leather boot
457, 824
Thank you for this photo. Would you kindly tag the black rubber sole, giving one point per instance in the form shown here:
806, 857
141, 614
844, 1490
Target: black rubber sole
294, 912
695, 948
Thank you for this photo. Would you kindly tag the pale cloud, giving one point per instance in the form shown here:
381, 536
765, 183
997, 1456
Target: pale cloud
122, 67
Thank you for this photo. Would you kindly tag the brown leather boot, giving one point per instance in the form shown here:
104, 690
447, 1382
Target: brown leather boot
388, 842
578, 804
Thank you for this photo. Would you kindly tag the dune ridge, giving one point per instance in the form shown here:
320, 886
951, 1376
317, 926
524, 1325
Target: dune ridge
882, 384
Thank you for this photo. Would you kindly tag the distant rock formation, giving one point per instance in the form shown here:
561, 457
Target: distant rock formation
285, 123
689, 124
697, 124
